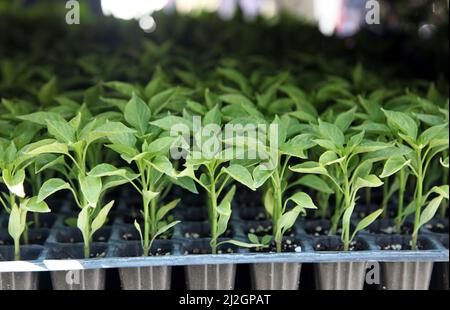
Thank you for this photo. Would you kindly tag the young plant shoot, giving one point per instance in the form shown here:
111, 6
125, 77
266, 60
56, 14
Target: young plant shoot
148, 150
343, 162
422, 149
73, 140
13, 164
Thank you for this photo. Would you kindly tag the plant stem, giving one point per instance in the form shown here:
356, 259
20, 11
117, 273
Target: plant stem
36, 220
368, 196
444, 205
419, 198
337, 212
212, 194
87, 252
213, 207
401, 199
278, 208
146, 227
26, 239
154, 224
347, 197
16, 249
385, 198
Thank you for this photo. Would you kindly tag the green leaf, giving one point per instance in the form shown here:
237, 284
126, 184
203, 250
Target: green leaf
52, 186
61, 130
47, 146
316, 183
16, 223
48, 161
91, 187
441, 190
161, 145
166, 209
229, 196
137, 114
107, 130
286, 221
83, 223
261, 175
393, 165
213, 116
123, 88
186, 183
366, 222
402, 122
241, 174
429, 212
101, 218
38, 206
224, 211
330, 158
168, 123
15, 182
236, 77
47, 92
344, 120
253, 238
369, 181
432, 133
41, 118
331, 132
149, 196
107, 170
163, 165
444, 162
138, 228
165, 228
303, 200
269, 201
240, 244
310, 168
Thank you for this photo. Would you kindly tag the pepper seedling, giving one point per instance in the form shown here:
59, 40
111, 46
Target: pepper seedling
148, 149
276, 204
423, 148
344, 164
13, 164
211, 170
72, 140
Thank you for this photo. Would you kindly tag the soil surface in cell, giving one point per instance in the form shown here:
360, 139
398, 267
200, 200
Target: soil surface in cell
203, 251
288, 246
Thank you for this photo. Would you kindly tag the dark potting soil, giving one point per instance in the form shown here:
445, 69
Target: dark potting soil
444, 241
318, 228
131, 234
203, 251
390, 230
35, 237
73, 235
400, 247
200, 230
264, 228
335, 244
26, 253
76, 251
438, 227
288, 246
45, 220
193, 214
402, 243
253, 214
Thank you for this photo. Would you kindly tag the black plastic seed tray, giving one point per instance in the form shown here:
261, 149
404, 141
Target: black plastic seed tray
117, 245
